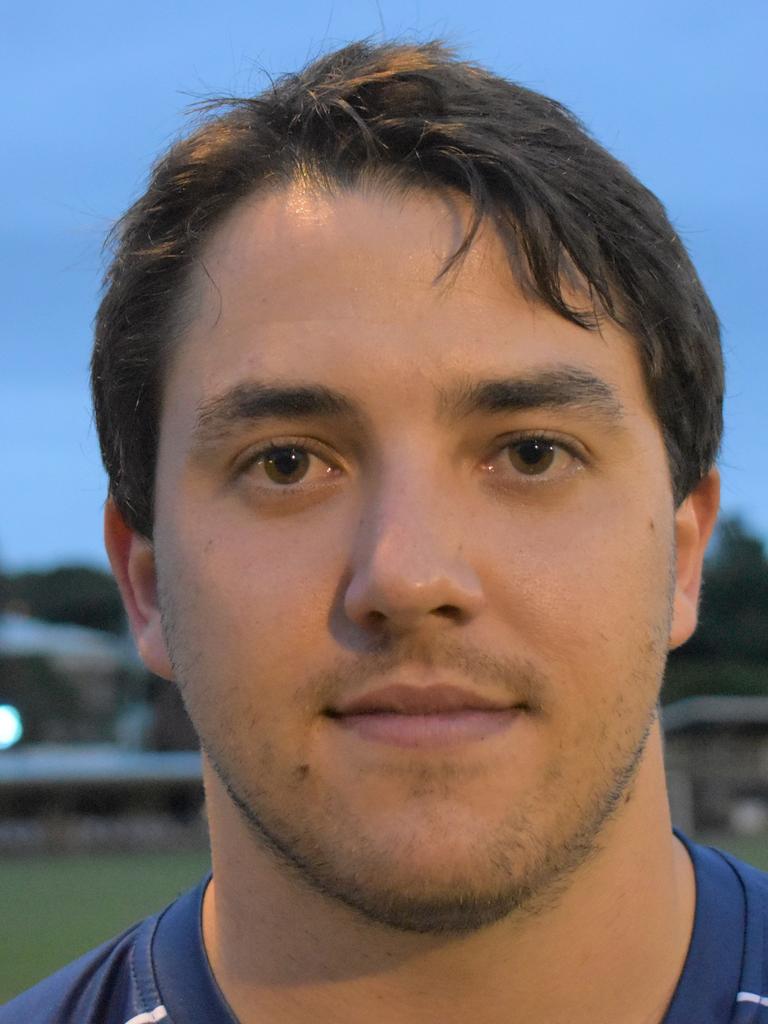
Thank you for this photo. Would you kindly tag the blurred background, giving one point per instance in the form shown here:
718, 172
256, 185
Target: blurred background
101, 817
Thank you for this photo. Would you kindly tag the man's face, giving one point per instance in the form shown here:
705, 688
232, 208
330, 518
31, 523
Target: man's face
482, 503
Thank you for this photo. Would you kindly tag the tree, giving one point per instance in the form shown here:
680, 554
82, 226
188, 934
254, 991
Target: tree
77, 594
728, 653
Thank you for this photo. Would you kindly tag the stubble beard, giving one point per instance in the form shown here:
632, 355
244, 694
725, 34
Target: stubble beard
530, 865
531, 870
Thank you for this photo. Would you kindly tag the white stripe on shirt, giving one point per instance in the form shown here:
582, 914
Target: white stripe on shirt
742, 997
159, 1013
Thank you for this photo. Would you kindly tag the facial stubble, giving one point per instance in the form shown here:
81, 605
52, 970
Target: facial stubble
530, 868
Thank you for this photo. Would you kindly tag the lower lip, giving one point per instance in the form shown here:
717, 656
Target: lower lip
433, 730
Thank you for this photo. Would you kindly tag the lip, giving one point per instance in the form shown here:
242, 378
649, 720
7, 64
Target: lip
441, 729
400, 699
430, 716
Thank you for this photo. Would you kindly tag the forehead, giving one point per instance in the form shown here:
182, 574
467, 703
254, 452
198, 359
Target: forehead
346, 290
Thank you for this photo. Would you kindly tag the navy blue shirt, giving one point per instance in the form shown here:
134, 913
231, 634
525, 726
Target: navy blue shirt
157, 972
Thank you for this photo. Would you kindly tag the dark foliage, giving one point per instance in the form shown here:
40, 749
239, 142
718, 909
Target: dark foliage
728, 653
75, 594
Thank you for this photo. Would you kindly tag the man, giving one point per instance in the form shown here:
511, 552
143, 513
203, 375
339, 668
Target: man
409, 398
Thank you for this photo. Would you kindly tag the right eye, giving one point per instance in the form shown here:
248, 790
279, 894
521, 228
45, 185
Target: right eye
287, 465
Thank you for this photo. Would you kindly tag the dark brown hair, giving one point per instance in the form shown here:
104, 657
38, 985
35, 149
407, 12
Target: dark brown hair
415, 116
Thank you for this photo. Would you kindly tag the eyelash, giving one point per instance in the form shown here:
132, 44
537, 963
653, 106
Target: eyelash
281, 445
545, 438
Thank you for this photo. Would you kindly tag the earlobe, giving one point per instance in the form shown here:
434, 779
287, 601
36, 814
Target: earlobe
132, 559
694, 521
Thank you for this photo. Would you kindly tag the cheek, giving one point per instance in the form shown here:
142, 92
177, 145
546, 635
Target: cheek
252, 602
586, 588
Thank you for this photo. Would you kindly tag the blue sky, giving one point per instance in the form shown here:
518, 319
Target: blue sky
93, 92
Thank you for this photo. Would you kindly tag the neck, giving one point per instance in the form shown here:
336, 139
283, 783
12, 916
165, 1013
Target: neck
610, 947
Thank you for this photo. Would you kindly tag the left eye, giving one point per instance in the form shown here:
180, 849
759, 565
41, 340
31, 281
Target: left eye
290, 464
534, 456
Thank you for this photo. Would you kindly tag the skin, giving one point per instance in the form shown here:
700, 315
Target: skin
415, 550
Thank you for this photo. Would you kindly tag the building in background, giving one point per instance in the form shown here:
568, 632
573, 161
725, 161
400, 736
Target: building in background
717, 763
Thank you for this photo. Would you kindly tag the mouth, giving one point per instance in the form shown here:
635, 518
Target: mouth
431, 716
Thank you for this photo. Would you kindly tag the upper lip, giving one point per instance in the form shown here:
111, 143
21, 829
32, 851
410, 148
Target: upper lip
419, 700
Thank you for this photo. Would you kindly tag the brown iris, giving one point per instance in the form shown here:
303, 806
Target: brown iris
532, 456
286, 465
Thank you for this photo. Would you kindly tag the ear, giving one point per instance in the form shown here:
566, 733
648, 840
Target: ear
132, 558
694, 522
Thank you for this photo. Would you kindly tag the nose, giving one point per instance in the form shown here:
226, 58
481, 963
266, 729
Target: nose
409, 570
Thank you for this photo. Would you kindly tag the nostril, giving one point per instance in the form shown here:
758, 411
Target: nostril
379, 620
448, 611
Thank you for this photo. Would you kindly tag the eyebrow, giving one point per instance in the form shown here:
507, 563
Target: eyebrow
254, 401
561, 387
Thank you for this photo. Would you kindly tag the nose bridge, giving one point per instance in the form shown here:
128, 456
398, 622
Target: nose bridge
410, 560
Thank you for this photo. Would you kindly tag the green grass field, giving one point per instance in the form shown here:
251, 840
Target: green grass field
55, 908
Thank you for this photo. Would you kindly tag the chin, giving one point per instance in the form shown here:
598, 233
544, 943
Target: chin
438, 863
429, 878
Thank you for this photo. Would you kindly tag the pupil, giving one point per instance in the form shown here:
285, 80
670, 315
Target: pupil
533, 456
288, 462
532, 451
